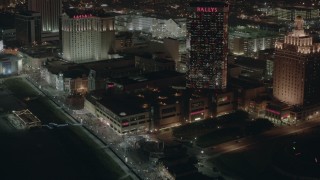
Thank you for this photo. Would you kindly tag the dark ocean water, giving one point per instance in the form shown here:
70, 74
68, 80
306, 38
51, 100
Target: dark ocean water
47, 154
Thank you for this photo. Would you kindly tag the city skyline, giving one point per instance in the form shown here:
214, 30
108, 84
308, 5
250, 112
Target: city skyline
159, 89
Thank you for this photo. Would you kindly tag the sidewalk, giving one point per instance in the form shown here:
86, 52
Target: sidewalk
98, 141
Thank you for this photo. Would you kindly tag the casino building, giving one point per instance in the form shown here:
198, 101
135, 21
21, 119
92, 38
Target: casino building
296, 75
208, 32
86, 37
296, 78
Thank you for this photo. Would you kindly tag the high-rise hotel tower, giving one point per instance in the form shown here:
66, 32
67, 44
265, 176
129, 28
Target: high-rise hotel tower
50, 11
296, 76
86, 37
208, 32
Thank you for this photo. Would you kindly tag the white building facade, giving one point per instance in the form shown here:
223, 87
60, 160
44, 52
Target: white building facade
249, 44
158, 27
86, 38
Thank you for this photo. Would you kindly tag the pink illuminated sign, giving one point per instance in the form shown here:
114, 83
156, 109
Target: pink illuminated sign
197, 112
82, 16
207, 9
273, 111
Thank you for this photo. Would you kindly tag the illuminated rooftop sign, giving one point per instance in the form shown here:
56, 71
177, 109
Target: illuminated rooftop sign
207, 9
82, 16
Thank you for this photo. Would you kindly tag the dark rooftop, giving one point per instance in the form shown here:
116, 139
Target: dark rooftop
106, 68
89, 13
8, 57
76, 72
148, 77
250, 62
28, 13
7, 20
163, 60
122, 104
244, 83
208, 4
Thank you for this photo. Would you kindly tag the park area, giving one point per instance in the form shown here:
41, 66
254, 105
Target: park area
221, 129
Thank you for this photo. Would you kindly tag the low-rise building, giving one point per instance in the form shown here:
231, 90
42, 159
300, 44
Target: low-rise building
83, 78
154, 79
10, 64
124, 113
198, 108
280, 113
245, 91
224, 103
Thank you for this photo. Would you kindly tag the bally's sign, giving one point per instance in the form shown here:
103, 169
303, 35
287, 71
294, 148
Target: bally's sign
207, 9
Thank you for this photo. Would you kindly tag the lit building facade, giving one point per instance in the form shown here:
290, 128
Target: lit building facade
10, 64
74, 81
289, 13
86, 37
249, 41
296, 75
157, 27
50, 11
208, 31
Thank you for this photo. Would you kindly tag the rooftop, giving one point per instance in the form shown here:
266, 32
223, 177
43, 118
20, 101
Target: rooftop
106, 68
148, 77
8, 57
7, 20
77, 13
250, 62
208, 4
29, 13
120, 104
244, 83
